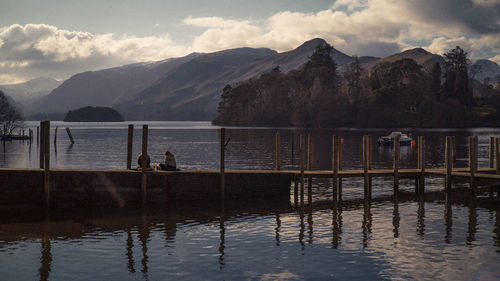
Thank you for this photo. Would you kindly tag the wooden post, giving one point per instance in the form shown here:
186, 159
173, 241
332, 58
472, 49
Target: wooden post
453, 151
340, 167
335, 167
70, 136
421, 164
497, 146
370, 156
46, 157
396, 165
448, 163
472, 160
38, 134
55, 136
365, 165
42, 146
143, 162
222, 160
309, 166
492, 152
130, 139
302, 156
278, 160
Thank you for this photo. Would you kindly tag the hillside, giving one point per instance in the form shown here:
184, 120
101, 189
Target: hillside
32, 91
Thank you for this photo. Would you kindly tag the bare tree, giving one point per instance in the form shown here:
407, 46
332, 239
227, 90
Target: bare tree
10, 118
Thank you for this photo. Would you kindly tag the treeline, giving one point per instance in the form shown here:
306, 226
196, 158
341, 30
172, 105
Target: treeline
392, 94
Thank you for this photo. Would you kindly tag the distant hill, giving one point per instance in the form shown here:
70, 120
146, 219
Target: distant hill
93, 114
30, 92
487, 69
421, 56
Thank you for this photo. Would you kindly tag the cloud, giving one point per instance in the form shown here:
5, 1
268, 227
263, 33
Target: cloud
36, 50
363, 27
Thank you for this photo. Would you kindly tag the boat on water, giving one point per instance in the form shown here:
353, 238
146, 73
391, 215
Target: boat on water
389, 139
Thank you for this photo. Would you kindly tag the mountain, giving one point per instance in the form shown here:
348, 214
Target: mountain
27, 93
487, 69
421, 56
192, 91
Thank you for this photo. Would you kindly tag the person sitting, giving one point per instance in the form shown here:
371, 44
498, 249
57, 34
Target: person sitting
139, 161
170, 164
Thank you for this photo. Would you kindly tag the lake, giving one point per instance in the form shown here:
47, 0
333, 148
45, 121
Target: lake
383, 240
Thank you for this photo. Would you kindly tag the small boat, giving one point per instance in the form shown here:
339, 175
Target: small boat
389, 140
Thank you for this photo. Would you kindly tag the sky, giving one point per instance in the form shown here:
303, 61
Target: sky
59, 38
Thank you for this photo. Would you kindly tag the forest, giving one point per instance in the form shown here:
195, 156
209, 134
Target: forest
392, 94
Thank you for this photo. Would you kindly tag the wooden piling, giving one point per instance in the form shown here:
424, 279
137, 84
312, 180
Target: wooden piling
340, 144
492, 152
42, 146
278, 160
70, 136
365, 166
222, 161
302, 156
472, 160
497, 146
421, 164
453, 151
335, 167
55, 136
370, 156
130, 139
144, 159
396, 165
38, 134
309, 166
46, 157
448, 163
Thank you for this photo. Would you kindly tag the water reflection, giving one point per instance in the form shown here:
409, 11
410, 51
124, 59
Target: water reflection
380, 220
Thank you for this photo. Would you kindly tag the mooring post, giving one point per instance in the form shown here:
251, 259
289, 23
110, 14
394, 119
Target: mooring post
335, 167
453, 151
370, 155
492, 152
396, 165
222, 160
42, 146
70, 136
309, 167
46, 157
340, 144
144, 157
473, 161
37, 134
302, 156
278, 160
497, 146
130, 139
421, 164
55, 136
448, 163
365, 166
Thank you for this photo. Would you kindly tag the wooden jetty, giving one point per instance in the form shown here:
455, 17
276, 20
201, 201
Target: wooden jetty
121, 187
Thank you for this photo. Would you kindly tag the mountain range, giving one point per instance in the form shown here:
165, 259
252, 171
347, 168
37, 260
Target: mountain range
189, 87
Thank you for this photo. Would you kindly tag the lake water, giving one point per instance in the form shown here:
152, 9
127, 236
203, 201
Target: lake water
384, 240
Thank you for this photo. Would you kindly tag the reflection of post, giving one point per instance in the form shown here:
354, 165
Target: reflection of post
496, 229
448, 221
46, 258
367, 223
302, 228
222, 246
472, 228
277, 229
395, 218
336, 225
421, 218
130, 252
310, 222
144, 237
